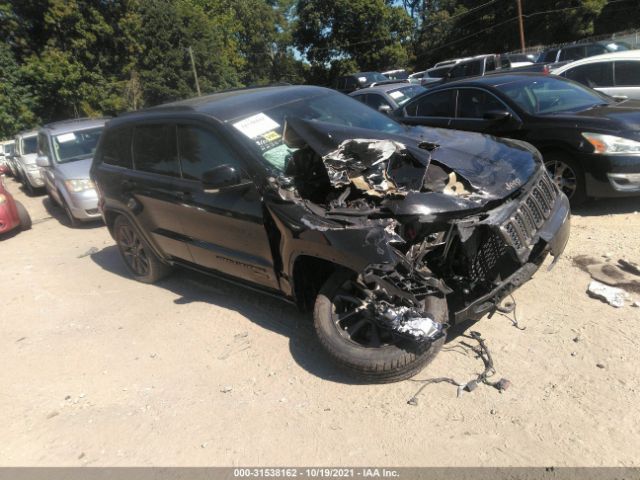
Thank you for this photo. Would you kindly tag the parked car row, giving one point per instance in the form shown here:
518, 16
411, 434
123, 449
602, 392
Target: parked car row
55, 159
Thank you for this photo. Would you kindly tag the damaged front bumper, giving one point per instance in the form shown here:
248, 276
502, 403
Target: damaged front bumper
550, 238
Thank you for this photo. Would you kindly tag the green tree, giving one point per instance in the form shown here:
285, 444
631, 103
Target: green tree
166, 30
342, 34
16, 100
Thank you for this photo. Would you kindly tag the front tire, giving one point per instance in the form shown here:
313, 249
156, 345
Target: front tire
141, 261
568, 175
23, 215
360, 346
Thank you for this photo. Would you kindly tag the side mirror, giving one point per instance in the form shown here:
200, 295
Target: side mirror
43, 161
223, 176
386, 109
496, 115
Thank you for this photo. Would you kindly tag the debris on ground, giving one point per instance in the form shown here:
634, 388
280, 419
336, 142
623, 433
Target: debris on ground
611, 282
600, 365
482, 352
91, 251
615, 297
226, 389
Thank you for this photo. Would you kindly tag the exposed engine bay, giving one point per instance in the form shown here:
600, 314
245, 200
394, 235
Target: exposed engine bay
430, 228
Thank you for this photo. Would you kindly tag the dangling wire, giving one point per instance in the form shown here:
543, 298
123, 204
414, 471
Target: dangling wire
508, 308
482, 352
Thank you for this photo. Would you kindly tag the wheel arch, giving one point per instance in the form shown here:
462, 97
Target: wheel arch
309, 273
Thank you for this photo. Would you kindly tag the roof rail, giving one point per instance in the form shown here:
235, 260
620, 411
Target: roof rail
73, 120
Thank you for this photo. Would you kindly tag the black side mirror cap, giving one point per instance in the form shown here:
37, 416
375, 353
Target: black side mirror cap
496, 115
220, 177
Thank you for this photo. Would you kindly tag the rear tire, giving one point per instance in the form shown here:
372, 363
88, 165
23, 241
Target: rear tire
23, 215
385, 363
141, 261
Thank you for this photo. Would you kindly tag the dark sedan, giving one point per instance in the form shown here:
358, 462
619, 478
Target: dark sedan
590, 142
385, 98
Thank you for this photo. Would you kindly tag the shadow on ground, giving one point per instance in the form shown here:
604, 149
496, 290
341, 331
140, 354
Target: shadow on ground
264, 310
608, 206
58, 214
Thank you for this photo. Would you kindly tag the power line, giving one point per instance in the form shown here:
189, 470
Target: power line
530, 15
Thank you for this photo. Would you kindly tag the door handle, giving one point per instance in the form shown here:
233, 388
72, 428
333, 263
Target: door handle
186, 195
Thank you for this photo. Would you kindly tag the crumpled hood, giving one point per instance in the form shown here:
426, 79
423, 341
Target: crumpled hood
494, 168
497, 166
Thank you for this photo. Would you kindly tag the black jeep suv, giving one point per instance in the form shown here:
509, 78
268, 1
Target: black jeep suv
390, 233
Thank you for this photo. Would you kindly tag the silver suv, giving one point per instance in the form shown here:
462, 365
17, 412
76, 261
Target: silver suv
25, 161
65, 153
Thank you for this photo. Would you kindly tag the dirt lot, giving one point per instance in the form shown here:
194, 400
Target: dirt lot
100, 370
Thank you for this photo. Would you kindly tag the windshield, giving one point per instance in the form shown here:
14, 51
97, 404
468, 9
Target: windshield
404, 94
29, 145
9, 148
370, 77
546, 95
72, 146
265, 128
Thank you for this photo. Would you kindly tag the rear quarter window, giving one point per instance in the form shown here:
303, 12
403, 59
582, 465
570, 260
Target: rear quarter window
628, 73
116, 147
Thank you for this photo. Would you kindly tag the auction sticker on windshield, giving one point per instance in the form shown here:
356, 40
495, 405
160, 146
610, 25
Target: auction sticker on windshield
256, 125
66, 137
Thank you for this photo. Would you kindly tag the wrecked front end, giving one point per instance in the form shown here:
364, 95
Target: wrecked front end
413, 225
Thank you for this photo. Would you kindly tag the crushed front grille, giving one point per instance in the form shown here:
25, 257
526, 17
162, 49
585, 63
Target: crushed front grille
484, 265
534, 209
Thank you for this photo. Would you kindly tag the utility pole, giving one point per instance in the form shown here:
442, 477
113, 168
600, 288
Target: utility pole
519, 2
195, 74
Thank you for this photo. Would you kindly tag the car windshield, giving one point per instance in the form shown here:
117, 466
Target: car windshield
78, 145
265, 128
546, 95
404, 94
370, 77
9, 148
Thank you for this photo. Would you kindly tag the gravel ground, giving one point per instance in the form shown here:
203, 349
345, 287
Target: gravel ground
99, 370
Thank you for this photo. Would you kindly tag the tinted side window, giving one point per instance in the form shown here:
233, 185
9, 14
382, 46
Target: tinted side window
116, 147
201, 151
573, 53
375, 101
490, 65
154, 149
550, 56
438, 104
591, 50
593, 75
475, 103
628, 73
361, 98
351, 83
459, 71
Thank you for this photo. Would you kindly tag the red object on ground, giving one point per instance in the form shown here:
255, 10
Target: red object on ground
9, 217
